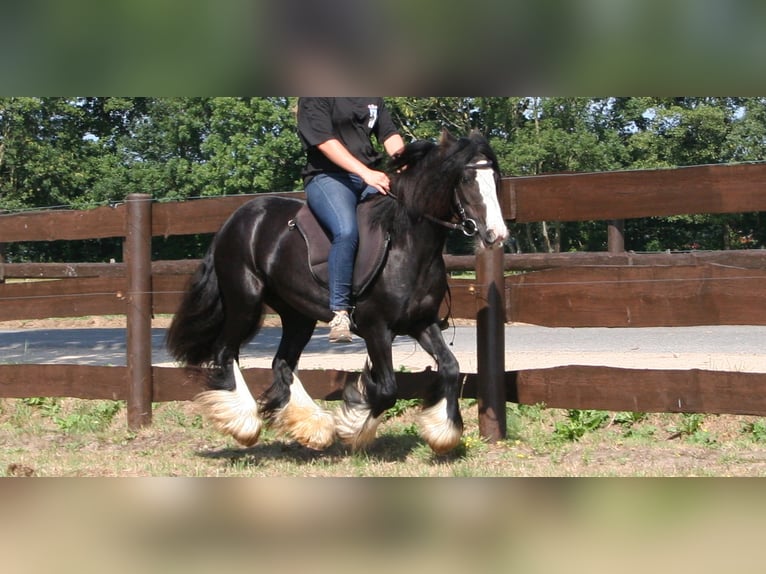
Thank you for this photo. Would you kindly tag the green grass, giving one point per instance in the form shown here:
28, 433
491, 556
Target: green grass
755, 430
72, 437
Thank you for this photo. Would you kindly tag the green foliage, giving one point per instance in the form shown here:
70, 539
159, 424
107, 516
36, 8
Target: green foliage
81, 152
756, 430
578, 423
514, 423
533, 412
87, 416
628, 418
400, 407
630, 422
690, 427
94, 416
48, 406
689, 423
84, 152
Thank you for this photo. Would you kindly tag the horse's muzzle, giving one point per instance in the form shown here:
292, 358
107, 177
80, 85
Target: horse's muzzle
493, 236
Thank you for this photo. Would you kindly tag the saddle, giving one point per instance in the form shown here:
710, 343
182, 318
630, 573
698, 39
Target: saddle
370, 255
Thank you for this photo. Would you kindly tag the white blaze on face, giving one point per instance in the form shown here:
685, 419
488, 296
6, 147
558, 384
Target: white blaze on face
495, 224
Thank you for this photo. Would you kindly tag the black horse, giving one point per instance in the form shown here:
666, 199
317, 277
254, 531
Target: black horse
257, 258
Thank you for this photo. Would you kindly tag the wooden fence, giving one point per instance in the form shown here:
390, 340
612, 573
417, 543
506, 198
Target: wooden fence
566, 289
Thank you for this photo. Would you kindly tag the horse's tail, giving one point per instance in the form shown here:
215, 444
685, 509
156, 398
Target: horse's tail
199, 320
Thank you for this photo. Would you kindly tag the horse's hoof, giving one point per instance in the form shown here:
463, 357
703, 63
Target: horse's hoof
436, 428
229, 415
303, 419
356, 427
311, 426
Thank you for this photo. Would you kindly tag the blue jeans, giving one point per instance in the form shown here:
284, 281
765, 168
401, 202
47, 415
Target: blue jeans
333, 199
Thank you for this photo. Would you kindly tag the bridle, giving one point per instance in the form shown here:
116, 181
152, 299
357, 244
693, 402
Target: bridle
467, 225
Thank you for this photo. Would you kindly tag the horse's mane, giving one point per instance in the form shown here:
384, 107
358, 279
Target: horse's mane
423, 175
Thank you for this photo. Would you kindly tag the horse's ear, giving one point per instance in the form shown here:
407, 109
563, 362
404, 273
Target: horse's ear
446, 138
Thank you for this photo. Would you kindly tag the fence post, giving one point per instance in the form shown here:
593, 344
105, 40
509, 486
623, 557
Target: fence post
490, 344
2, 263
616, 236
2, 257
138, 262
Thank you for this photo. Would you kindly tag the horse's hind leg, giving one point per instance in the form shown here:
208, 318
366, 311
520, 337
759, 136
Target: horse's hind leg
365, 400
233, 411
286, 404
229, 405
440, 421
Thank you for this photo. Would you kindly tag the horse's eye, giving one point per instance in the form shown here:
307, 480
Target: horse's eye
467, 178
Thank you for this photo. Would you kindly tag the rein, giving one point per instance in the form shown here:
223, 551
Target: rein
468, 226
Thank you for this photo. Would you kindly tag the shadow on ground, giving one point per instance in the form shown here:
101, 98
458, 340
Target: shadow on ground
385, 448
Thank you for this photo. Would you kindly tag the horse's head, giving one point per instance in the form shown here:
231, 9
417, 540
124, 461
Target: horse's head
476, 175
455, 178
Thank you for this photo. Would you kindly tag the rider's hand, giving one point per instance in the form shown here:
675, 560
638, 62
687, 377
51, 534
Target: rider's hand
378, 180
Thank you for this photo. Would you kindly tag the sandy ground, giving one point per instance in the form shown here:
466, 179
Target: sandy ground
100, 340
662, 451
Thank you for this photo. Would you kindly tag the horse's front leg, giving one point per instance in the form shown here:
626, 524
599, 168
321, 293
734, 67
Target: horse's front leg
366, 399
441, 424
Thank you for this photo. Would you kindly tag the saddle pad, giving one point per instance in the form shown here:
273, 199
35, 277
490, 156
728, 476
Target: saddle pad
370, 255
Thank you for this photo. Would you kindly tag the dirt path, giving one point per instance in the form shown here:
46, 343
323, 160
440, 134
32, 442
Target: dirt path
721, 348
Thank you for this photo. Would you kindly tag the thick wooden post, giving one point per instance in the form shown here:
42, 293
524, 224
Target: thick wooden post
616, 236
490, 344
2, 258
2, 263
138, 263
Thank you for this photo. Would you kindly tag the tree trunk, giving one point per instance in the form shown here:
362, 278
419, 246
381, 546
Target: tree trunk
530, 239
726, 236
552, 236
546, 238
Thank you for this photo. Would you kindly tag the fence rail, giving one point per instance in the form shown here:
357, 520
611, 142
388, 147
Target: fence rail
572, 289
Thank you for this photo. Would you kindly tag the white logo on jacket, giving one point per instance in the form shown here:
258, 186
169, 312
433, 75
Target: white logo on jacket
373, 115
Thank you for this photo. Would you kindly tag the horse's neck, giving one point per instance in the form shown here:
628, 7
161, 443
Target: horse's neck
436, 202
424, 241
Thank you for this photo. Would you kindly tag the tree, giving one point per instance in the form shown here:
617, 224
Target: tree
675, 132
253, 146
45, 158
81, 152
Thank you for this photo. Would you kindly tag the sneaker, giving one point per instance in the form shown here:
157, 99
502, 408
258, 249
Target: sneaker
340, 328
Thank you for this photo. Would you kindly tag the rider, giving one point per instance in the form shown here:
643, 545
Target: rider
341, 170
